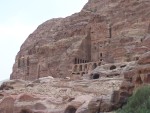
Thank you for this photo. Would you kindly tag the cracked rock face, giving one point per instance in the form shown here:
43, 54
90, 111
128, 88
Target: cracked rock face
108, 31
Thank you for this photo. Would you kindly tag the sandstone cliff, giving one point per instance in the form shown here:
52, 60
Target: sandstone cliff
105, 31
88, 62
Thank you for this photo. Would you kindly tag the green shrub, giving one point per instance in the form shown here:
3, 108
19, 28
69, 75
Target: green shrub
139, 102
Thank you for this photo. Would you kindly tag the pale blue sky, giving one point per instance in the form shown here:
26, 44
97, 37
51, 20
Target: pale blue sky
19, 18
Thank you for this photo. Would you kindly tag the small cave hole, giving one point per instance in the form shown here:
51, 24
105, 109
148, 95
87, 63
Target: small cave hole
136, 58
70, 109
75, 61
100, 54
113, 67
25, 111
95, 76
122, 66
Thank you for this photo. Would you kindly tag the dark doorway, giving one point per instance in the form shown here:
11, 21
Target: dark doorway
95, 76
75, 61
80, 68
112, 67
101, 55
70, 109
25, 111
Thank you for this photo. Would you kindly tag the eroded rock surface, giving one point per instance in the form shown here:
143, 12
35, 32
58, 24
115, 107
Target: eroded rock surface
89, 62
58, 95
105, 31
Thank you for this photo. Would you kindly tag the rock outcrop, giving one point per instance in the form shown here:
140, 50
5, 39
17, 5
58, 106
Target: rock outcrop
58, 95
89, 62
105, 31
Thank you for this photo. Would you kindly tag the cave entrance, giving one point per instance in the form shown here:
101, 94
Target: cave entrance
112, 67
70, 109
96, 76
25, 111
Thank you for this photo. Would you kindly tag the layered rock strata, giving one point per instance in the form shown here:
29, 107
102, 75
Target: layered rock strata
51, 95
105, 31
92, 61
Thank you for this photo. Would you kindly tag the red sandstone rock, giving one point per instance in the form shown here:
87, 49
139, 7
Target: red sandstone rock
7, 105
105, 31
26, 98
145, 58
108, 39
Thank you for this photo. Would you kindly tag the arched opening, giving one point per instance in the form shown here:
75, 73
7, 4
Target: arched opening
80, 68
81, 61
70, 109
78, 61
85, 67
100, 54
75, 61
95, 76
28, 61
26, 111
95, 47
94, 65
82, 73
75, 68
139, 80
112, 67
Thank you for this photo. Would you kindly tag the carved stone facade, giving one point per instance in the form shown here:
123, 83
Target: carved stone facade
105, 31
105, 48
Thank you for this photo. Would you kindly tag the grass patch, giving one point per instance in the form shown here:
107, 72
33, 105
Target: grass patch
139, 102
